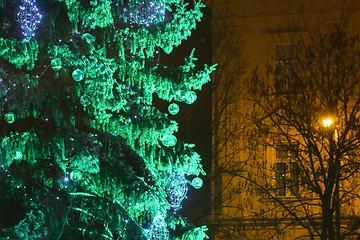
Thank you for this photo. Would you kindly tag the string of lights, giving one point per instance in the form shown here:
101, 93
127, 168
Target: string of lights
145, 13
29, 17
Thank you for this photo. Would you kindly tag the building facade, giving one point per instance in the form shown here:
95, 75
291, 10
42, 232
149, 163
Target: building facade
250, 36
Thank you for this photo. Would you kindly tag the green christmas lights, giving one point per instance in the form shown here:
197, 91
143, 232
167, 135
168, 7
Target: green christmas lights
169, 140
76, 176
56, 64
17, 154
85, 100
96, 147
173, 109
190, 97
78, 75
10, 117
197, 183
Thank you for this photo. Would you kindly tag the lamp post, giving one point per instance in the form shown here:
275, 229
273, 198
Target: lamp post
327, 123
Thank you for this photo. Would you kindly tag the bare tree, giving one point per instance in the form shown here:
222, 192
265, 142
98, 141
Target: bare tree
308, 111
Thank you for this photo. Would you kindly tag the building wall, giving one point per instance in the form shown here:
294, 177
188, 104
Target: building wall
259, 25
258, 20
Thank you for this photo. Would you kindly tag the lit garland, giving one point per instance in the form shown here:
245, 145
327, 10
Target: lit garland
66, 180
13, 180
145, 12
177, 189
29, 18
158, 230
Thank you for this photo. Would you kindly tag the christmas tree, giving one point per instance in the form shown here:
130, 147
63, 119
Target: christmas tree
85, 153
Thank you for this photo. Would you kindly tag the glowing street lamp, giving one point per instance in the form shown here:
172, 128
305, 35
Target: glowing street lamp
327, 122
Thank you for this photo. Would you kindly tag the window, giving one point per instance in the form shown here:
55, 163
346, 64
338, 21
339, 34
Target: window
293, 183
281, 151
285, 52
287, 172
285, 65
280, 171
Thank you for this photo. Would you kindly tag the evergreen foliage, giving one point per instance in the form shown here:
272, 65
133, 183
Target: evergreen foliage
104, 126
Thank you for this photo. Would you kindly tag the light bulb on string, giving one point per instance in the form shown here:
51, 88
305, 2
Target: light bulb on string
157, 229
29, 17
176, 189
